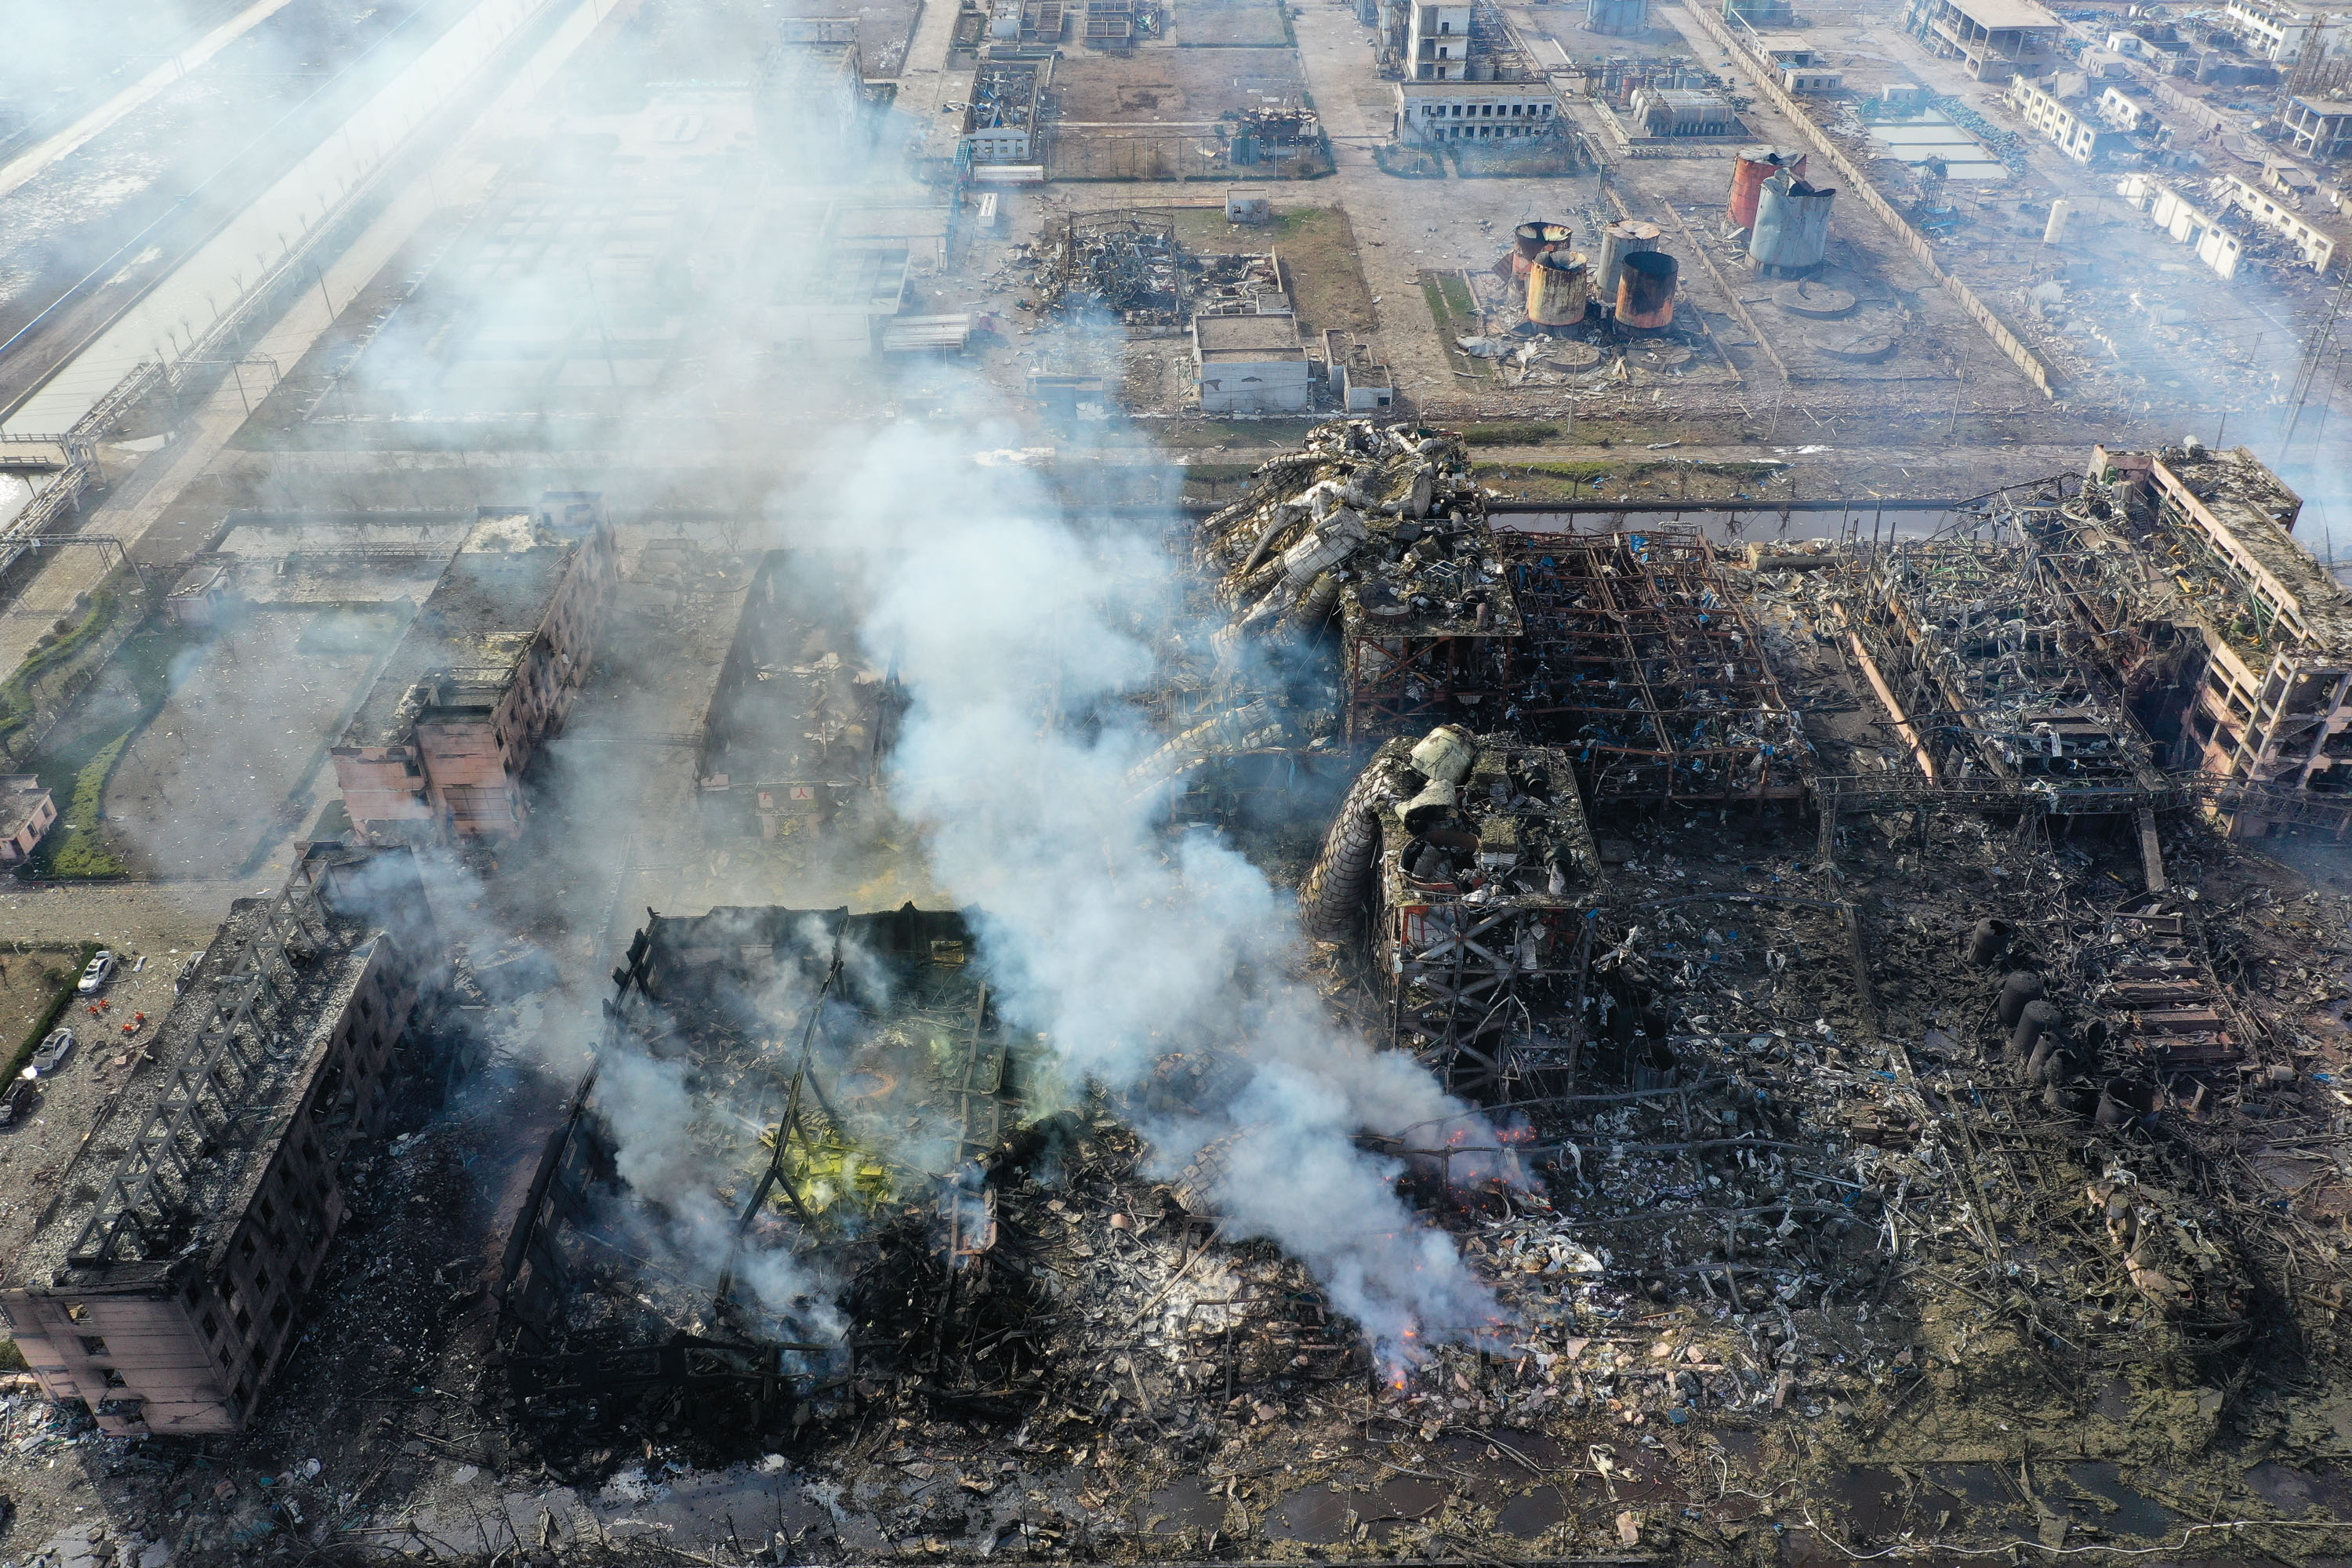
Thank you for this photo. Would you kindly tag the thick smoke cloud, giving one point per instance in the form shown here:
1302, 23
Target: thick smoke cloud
1022, 640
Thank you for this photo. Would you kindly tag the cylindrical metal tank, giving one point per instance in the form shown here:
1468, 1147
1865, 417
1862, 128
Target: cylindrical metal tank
1616, 18
1990, 938
1445, 752
1750, 170
2022, 986
1645, 290
2055, 229
1618, 241
1559, 288
1531, 240
1792, 224
2034, 1021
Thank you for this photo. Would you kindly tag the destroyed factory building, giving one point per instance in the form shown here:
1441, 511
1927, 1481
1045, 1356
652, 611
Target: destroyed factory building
163, 1279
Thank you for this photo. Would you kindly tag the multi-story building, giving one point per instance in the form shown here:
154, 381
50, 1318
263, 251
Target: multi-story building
2321, 127
163, 1281
2318, 245
809, 97
485, 673
2283, 34
2238, 644
1997, 39
1437, 42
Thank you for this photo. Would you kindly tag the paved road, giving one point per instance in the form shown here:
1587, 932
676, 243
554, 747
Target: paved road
131, 916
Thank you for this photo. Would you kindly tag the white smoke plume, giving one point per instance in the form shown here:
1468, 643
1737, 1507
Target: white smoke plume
1020, 640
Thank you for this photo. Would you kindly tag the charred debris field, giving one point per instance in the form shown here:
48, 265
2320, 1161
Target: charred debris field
1868, 1094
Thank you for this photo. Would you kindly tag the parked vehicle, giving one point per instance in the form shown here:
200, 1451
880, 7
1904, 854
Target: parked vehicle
17, 1103
53, 1052
100, 971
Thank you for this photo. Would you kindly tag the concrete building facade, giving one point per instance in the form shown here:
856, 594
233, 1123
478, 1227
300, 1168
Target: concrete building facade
164, 1283
2255, 688
2281, 33
1251, 364
2320, 127
485, 673
1471, 110
809, 98
2317, 246
2071, 126
1437, 42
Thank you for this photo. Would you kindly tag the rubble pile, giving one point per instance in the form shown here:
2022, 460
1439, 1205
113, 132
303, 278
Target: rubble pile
1386, 520
1237, 285
1130, 265
2000, 666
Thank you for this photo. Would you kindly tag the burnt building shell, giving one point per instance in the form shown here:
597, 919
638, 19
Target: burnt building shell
162, 1281
798, 723
813, 1042
486, 671
2234, 645
2001, 681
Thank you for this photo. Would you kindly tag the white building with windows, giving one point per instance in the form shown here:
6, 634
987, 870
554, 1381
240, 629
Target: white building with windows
2281, 33
1437, 42
1473, 110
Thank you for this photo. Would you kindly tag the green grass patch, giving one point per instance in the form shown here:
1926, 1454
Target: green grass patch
1238, 433
1508, 434
1585, 472
1435, 298
11, 1358
1455, 313
16, 701
83, 755
79, 847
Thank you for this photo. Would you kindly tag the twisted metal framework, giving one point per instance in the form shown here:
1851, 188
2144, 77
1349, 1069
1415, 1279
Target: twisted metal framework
188, 1154
1490, 998
1639, 660
2001, 678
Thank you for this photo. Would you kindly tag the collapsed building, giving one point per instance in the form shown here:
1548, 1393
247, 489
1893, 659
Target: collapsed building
811, 1043
168, 1267
798, 724
484, 674
2236, 645
1997, 681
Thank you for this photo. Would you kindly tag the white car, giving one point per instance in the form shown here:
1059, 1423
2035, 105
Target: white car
53, 1052
94, 978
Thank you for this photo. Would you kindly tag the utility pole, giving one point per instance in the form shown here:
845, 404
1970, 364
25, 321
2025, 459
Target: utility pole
1968, 347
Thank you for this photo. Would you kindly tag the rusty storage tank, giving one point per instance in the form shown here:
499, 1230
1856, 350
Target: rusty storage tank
1618, 241
1792, 224
1559, 288
1750, 170
1645, 290
1531, 240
